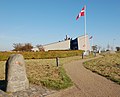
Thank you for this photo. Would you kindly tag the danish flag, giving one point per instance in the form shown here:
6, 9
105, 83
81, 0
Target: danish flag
82, 13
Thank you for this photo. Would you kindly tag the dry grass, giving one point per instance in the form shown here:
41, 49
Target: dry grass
2, 70
45, 72
41, 69
108, 66
42, 55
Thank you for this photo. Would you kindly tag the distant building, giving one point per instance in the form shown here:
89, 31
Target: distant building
61, 45
79, 43
68, 44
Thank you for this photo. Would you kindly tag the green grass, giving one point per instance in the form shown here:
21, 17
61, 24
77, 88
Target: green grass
107, 66
63, 82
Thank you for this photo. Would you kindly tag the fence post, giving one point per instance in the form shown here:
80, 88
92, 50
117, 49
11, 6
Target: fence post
57, 61
82, 55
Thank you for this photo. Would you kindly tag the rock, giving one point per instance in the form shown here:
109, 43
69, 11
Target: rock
16, 78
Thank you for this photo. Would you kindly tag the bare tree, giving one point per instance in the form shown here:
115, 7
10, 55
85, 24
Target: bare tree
22, 47
17, 46
40, 47
27, 47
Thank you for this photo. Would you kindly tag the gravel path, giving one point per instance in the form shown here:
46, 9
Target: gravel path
33, 91
87, 83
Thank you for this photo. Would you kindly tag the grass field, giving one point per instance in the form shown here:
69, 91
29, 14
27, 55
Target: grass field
107, 66
45, 72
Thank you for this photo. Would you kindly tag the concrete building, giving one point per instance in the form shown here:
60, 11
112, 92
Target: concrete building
61, 45
68, 44
79, 43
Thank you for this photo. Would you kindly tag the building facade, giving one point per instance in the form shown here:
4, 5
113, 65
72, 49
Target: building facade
79, 43
83, 43
68, 44
61, 45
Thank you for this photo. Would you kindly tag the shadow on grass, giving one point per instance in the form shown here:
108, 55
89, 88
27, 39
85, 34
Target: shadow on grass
3, 85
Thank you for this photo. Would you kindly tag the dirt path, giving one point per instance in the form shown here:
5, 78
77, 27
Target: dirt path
87, 84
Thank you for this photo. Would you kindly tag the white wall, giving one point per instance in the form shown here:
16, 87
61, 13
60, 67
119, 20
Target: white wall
81, 43
62, 45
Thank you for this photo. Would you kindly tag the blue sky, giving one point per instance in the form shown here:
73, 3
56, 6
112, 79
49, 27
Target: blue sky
47, 21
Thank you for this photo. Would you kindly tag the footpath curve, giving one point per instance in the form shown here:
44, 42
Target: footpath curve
87, 83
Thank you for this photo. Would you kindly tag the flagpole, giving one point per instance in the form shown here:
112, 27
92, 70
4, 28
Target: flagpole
92, 41
92, 44
85, 29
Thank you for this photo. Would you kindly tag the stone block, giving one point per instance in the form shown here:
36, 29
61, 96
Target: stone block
16, 78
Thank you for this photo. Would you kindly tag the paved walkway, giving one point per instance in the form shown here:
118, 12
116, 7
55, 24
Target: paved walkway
87, 83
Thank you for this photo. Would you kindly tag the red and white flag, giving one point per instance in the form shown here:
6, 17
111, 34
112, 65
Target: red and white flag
82, 13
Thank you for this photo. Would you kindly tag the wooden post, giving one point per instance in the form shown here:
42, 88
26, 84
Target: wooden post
57, 61
82, 55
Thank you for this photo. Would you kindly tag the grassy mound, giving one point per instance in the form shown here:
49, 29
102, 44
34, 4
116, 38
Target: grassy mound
107, 66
